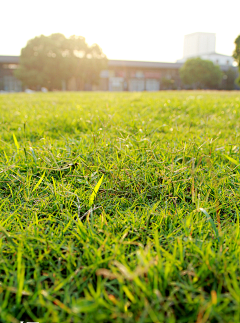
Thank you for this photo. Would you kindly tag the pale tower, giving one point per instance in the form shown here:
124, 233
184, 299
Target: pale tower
197, 44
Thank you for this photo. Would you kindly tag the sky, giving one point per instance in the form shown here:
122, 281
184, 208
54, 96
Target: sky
149, 30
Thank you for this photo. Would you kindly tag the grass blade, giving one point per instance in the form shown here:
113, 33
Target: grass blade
95, 190
234, 161
211, 222
33, 154
16, 141
38, 183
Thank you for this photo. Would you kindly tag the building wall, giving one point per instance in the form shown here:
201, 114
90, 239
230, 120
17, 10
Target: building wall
219, 59
198, 43
8, 82
137, 76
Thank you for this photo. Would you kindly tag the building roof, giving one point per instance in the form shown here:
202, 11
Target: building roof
9, 59
122, 63
142, 64
214, 53
111, 63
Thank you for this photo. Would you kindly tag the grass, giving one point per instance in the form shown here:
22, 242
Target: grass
120, 207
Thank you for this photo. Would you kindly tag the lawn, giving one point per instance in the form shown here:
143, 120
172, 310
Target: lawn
120, 207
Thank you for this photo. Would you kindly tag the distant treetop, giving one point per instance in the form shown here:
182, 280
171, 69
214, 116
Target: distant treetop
236, 55
199, 73
50, 61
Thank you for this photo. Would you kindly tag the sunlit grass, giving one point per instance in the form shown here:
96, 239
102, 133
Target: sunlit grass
120, 207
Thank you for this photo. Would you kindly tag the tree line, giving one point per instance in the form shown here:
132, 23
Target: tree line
51, 61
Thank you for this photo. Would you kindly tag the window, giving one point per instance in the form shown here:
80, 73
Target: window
10, 66
11, 84
136, 84
139, 74
152, 85
104, 74
116, 84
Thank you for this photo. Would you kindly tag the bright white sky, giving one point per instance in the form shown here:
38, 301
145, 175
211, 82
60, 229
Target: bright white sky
151, 30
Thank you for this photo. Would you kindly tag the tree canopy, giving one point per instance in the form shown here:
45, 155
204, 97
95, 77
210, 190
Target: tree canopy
199, 73
50, 61
236, 54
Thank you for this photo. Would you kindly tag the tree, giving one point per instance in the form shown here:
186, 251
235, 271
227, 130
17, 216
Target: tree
236, 55
199, 73
50, 61
167, 83
229, 78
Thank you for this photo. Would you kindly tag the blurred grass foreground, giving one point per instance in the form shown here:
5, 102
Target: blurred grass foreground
120, 207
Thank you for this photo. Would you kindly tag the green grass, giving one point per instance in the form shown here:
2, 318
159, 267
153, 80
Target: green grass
156, 241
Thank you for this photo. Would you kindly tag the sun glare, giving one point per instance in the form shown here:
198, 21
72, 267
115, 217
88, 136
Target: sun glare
133, 30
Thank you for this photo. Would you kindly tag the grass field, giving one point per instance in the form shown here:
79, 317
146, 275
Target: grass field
120, 207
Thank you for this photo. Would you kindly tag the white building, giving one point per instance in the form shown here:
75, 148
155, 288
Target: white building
199, 43
219, 59
203, 45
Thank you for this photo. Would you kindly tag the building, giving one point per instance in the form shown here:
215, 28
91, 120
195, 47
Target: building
134, 75
140, 76
203, 45
8, 82
219, 59
197, 44
120, 76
